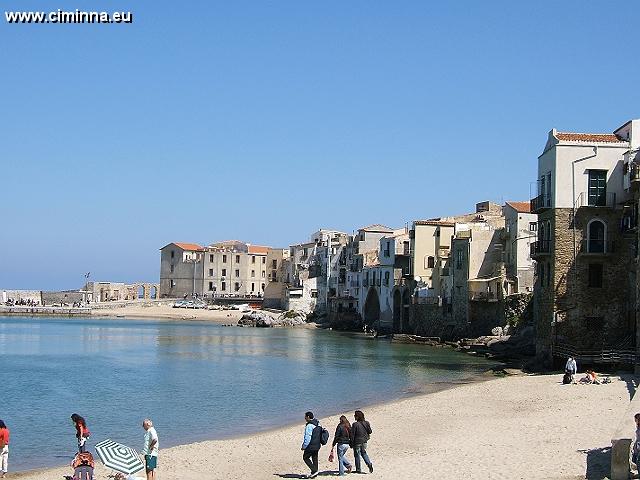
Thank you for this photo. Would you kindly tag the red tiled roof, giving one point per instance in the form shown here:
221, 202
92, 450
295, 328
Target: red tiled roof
258, 250
589, 137
188, 246
520, 207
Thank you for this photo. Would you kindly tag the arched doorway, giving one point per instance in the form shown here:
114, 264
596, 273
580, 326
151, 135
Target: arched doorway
154, 292
397, 312
372, 308
139, 291
406, 305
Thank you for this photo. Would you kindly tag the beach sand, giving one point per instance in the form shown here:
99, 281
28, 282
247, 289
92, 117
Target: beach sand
516, 427
164, 311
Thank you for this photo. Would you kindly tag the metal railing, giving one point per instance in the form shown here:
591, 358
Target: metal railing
605, 199
605, 355
540, 202
597, 247
540, 247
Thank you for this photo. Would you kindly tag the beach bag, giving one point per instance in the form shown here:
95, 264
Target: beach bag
566, 379
324, 436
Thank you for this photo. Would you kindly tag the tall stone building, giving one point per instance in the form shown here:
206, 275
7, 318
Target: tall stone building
585, 291
181, 269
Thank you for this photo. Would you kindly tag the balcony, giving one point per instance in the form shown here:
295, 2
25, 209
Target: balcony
483, 297
541, 247
597, 247
602, 200
540, 203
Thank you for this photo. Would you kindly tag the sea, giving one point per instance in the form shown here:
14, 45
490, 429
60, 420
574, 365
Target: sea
195, 380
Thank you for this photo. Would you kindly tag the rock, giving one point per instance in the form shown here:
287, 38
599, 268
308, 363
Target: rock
496, 331
261, 319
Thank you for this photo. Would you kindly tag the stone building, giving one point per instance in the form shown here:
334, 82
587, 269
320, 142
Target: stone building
235, 269
521, 231
315, 271
585, 291
181, 270
275, 290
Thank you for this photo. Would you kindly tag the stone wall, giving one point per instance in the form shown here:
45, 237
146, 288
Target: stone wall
568, 310
33, 295
67, 297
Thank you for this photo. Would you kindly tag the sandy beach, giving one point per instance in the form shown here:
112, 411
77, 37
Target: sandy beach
162, 311
516, 427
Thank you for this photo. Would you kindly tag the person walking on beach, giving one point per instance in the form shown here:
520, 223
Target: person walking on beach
571, 368
360, 434
4, 449
82, 432
311, 443
341, 441
150, 449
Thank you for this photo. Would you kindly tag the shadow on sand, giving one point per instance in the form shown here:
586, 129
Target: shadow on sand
598, 463
301, 475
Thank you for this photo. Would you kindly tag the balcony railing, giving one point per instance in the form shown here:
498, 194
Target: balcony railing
483, 296
541, 247
597, 247
602, 200
541, 202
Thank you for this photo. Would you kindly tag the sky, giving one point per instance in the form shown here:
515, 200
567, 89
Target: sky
264, 121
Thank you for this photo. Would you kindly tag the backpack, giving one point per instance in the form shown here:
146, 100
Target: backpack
324, 436
566, 379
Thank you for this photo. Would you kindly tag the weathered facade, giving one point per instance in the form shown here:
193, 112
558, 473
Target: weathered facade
521, 231
585, 290
181, 270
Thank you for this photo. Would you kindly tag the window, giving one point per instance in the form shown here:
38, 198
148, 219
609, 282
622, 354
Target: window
173, 253
253, 287
224, 272
172, 268
211, 286
172, 283
224, 287
224, 259
237, 258
253, 259
386, 278
596, 237
431, 262
264, 274
236, 287
264, 260
274, 264
549, 284
595, 275
253, 273
263, 287
542, 274
237, 273
314, 294
597, 188
211, 272
459, 258
211, 258
533, 226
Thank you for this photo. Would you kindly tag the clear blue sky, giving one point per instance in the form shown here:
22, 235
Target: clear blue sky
264, 121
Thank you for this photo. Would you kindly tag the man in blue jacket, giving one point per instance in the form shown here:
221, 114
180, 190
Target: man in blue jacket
311, 444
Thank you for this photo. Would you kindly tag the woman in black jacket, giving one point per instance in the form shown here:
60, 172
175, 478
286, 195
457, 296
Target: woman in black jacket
342, 439
360, 432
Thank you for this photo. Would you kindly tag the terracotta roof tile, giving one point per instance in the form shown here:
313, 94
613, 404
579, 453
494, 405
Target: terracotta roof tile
188, 246
589, 137
520, 207
435, 222
258, 250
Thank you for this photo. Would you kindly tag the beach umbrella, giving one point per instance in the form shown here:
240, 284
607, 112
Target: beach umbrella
119, 457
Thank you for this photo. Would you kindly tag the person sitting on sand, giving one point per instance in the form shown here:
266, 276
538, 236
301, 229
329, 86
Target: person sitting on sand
590, 378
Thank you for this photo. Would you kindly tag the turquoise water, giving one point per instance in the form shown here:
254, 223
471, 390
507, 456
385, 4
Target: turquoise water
196, 381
